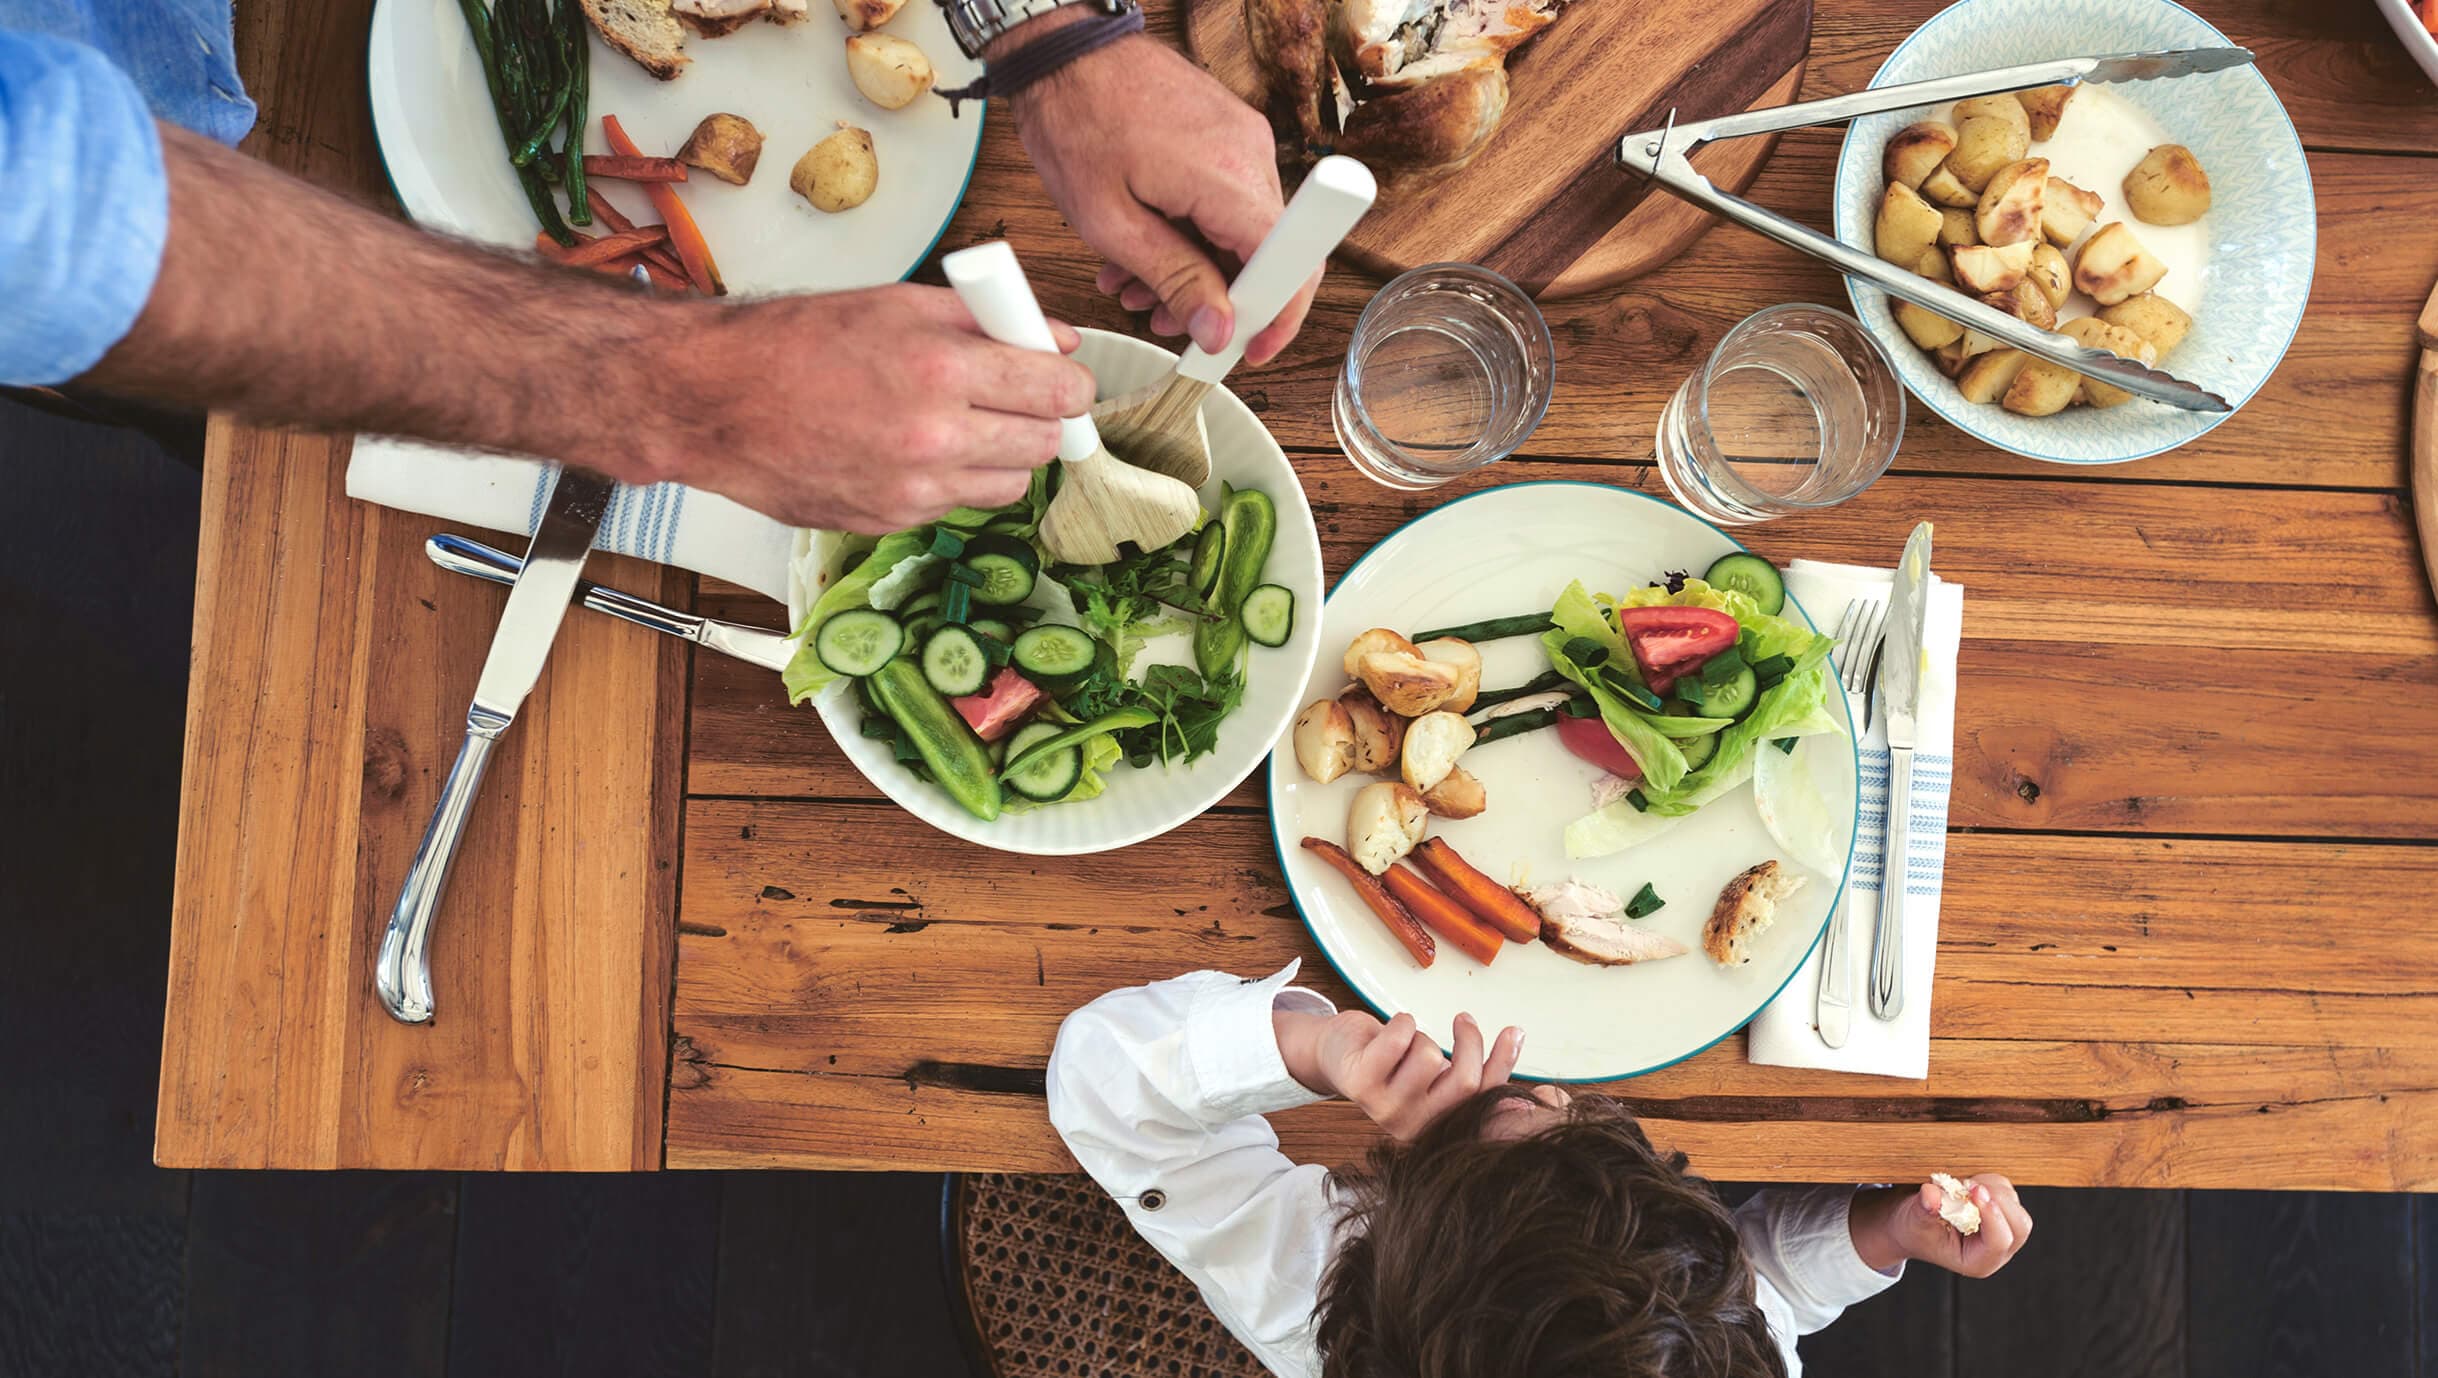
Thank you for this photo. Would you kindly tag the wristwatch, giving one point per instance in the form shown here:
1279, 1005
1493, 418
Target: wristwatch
976, 23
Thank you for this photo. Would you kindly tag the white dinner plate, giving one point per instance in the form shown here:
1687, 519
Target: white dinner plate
2413, 34
442, 146
1497, 553
1141, 804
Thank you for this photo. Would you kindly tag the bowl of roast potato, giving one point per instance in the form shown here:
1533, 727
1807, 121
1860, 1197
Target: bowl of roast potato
2168, 221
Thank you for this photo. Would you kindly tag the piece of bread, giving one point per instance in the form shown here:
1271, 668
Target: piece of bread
1747, 906
1955, 1204
644, 30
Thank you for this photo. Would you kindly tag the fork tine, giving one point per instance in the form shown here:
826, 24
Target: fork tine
1872, 632
1856, 663
1846, 627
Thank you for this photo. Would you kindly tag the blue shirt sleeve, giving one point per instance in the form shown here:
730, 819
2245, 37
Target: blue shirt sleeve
86, 209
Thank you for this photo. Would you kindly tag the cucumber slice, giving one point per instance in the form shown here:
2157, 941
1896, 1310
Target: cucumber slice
954, 663
928, 600
1006, 567
1697, 750
1751, 576
858, 641
1732, 697
1046, 779
1210, 556
993, 628
1269, 614
1055, 657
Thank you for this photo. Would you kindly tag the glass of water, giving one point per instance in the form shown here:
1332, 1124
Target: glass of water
1797, 409
1450, 369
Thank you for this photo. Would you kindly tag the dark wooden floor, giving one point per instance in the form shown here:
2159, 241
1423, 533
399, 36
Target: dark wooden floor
111, 1267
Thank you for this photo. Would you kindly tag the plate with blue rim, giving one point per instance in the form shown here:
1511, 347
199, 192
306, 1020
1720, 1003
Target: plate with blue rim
2262, 222
1508, 551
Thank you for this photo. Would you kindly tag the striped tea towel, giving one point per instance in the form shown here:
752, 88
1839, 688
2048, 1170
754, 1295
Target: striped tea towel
667, 522
1784, 1033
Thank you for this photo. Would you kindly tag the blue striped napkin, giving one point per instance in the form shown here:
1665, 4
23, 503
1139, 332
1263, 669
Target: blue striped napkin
666, 522
1784, 1033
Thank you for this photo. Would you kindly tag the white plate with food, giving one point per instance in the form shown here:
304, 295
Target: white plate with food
1608, 813
1054, 710
441, 142
2416, 26
2172, 219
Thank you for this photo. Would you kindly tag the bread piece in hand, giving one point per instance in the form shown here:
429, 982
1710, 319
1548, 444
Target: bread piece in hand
1955, 1204
644, 30
1747, 906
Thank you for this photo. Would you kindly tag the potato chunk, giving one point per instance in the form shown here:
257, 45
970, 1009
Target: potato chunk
2009, 212
1324, 740
2044, 106
1984, 144
1942, 189
2168, 187
2117, 340
726, 146
1916, 152
2114, 266
865, 15
2004, 108
2154, 318
1928, 329
2041, 388
1377, 639
1407, 685
2026, 303
889, 70
2049, 270
1982, 268
2067, 210
1432, 744
1379, 735
1907, 226
1461, 657
1950, 358
838, 173
1956, 227
1986, 378
1384, 823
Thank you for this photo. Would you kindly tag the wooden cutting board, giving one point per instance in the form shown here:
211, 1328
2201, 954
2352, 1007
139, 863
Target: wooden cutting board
1543, 204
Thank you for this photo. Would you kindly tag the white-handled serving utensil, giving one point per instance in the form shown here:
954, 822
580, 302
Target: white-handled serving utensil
1160, 427
1102, 500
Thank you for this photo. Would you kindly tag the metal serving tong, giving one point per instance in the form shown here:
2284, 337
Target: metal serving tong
1663, 155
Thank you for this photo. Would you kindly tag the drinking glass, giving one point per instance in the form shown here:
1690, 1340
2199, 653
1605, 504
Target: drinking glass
1450, 369
1797, 409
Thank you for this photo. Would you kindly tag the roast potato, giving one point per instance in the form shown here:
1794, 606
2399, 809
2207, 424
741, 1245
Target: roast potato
1458, 795
1916, 152
2043, 106
1986, 377
2154, 318
865, 15
1405, 684
1377, 639
1956, 227
2041, 388
1384, 823
2004, 108
1984, 268
2066, 210
1933, 265
1942, 189
838, 173
2167, 187
1908, 225
1378, 734
1926, 328
1985, 143
1432, 744
2009, 212
2117, 340
726, 146
2026, 303
1950, 358
1461, 657
1324, 740
2114, 266
2050, 271
890, 71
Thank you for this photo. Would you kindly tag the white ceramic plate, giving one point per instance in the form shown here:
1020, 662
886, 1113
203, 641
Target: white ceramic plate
1496, 553
2263, 223
2413, 34
442, 144
1141, 804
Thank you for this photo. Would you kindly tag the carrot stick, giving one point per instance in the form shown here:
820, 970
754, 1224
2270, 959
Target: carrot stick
634, 168
610, 215
1494, 903
1400, 920
666, 279
610, 246
692, 251
1444, 916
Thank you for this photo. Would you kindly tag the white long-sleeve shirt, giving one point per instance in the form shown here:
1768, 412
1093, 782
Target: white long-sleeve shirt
1160, 1090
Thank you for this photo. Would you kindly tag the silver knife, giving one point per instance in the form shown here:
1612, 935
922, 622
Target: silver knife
753, 645
402, 972
1900, 686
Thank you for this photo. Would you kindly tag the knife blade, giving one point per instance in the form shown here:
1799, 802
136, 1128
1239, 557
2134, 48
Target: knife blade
753, 645
402, 972
1900, 687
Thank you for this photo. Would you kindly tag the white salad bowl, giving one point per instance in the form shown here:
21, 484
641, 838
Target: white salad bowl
1139, 803
1509, 551
2262, 222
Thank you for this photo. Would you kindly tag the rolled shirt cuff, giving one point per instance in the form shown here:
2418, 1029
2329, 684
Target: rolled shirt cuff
1234, 1051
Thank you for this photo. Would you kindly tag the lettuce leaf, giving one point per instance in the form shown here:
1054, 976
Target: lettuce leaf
1796, 706
1577, 615
805, 675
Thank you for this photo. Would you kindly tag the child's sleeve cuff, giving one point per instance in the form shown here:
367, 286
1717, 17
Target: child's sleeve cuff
1233, 1050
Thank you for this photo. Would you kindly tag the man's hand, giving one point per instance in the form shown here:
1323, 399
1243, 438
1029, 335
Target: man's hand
1893, 1224
1164, 172
1391, 1071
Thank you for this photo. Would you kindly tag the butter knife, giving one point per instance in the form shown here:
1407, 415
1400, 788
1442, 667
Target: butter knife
1900, 687
402, 972
753, 645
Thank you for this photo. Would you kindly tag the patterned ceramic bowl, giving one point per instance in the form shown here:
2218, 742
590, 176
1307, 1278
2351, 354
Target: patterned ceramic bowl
2262, 221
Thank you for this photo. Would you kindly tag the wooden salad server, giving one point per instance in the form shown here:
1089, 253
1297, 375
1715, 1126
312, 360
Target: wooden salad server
1102, 500
1160, 427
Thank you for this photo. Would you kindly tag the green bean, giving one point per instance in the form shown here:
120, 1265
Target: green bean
579, 57
1517, 724
1497, 628
544, 127
1539, 684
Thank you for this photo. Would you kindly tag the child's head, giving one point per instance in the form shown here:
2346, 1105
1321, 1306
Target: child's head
1524, 1234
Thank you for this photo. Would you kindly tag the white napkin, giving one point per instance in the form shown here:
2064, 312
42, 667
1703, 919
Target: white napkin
667, 522
1785, 1033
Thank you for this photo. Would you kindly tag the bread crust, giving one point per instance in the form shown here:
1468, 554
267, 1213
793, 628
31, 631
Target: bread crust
1745, 907
615, 21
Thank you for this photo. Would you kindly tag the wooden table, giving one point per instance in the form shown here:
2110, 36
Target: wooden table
2187, 936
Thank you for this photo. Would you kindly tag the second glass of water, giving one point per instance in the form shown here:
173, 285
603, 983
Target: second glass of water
1797, 409
1449, 370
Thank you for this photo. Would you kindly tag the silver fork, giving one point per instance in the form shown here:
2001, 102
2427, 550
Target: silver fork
1858, 639
1864, 621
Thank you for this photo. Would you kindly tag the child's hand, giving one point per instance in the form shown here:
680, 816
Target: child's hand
1390, 1071
1899, 1223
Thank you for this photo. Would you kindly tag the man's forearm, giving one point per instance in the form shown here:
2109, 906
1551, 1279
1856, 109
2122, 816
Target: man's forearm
289, 305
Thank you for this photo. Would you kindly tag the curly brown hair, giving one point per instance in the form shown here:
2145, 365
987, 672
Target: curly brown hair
1578, 1250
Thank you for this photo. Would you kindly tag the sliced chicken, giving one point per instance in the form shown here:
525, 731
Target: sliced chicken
1403, 43
1579, 920
1608, 789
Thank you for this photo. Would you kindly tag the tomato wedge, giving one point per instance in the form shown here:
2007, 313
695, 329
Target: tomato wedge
1668, 641
1589, 738
1002, 702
